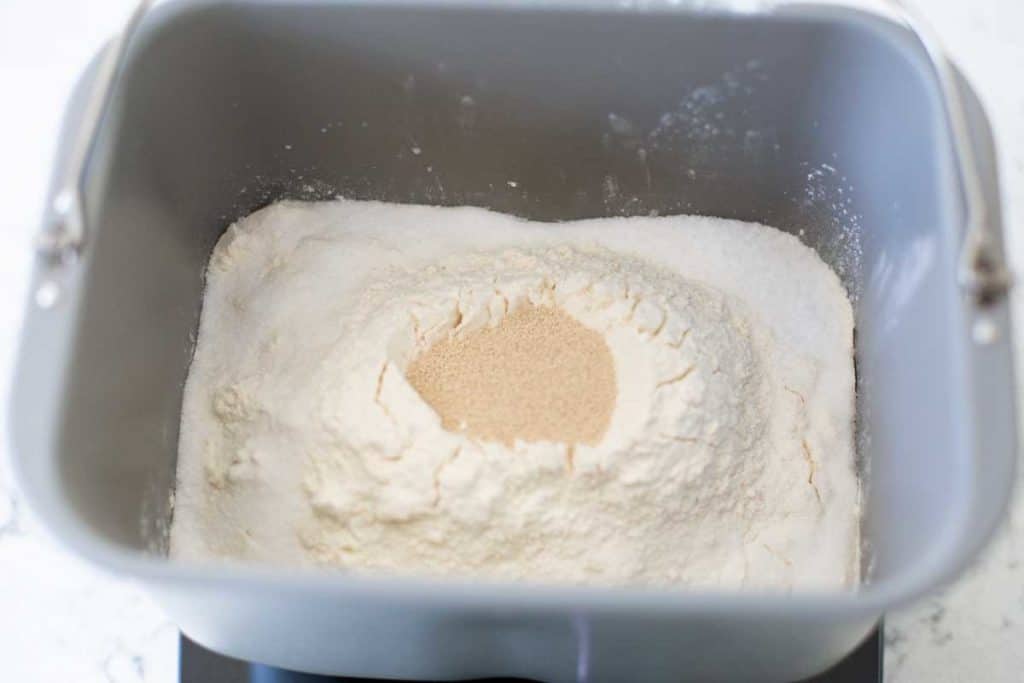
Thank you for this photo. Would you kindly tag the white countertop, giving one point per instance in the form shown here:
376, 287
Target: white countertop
65, 621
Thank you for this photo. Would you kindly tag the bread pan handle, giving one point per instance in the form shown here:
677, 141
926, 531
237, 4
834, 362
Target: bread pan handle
982, 268
64, 233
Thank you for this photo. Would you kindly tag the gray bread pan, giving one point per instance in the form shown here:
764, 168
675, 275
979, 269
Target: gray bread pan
845, 128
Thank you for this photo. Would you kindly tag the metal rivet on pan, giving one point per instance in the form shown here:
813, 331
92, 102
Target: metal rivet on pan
47, 294
985, 331
63, 203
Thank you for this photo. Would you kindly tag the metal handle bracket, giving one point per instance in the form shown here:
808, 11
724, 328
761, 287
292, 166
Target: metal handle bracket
982, 269
64, 232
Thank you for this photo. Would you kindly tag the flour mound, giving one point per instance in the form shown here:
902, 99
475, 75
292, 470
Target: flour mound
683, 438
726, 460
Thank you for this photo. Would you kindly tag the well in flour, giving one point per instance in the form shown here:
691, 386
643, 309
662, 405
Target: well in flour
539, 375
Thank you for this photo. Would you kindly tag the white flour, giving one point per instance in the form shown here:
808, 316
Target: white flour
728, 460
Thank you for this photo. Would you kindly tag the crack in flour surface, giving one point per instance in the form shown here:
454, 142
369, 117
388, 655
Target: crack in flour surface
450, 391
